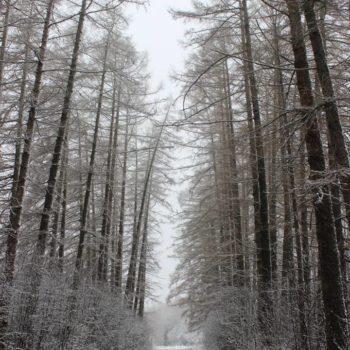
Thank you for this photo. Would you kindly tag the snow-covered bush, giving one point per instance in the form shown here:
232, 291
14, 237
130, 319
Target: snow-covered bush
91, 317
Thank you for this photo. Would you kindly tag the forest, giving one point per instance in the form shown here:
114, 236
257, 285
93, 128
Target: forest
254, 145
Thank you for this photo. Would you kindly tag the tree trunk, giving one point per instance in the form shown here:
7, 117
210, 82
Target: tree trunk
291, 206
5, 26
334, 186
130, 282
18, 192
56, 217
234, 177
221, 260
329, 263
21, 106
134, 228
139, 303
25, 339
228, 241
106, 212
263, 241
17, 196
336, 135
273, 201
41, 243
119, 257
61, 243
86, 202
304, 224
116, 112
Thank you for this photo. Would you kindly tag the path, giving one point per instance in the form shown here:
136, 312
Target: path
180, 347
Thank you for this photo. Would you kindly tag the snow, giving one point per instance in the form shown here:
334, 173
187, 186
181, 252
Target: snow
177, 347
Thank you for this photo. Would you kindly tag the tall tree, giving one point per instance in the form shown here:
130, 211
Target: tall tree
327, 245
120, 237
131, 277
263, 237
24, 340
17, 197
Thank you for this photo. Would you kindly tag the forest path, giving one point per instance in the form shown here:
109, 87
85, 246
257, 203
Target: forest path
179, 347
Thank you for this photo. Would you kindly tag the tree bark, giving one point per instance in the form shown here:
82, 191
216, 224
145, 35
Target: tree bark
25, 339
17, 196
263, 241
106, 214
273, 201
61, 243
228, 239
303, 223
336, 136
56, 217
5, 25
234, 178
331, 283
337, 153
86, 202
18, 191
139, 303
120, 240
21, 106
130, 282
115, 111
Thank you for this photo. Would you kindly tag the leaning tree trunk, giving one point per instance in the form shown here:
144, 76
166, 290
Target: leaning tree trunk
330, 274
130, 282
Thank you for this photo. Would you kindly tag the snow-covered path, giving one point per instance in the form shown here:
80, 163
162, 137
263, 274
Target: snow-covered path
177, 348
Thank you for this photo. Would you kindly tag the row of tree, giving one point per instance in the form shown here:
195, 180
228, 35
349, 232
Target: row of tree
82, 168
264, 241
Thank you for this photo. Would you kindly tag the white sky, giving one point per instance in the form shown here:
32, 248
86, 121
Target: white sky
154, 31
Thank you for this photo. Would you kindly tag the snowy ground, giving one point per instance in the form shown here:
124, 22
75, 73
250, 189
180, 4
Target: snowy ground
177, 348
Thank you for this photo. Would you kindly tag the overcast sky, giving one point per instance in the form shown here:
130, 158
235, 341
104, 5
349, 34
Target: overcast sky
154, 31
